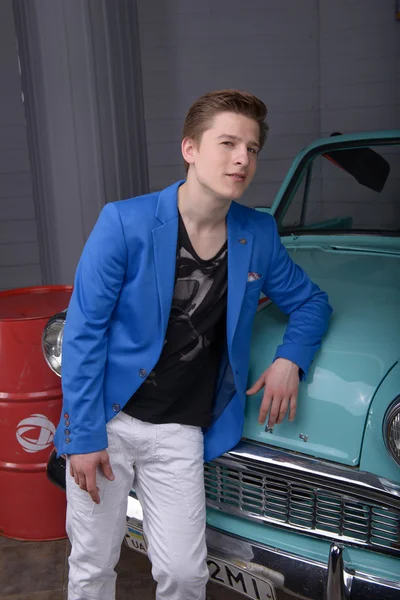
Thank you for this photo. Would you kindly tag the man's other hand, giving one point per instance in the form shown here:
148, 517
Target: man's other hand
281, 384
83, 469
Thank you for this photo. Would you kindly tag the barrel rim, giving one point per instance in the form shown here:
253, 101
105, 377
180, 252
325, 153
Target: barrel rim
37, 289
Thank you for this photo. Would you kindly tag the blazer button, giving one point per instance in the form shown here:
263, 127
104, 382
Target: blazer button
67, 432
67, 440
143, 373
66, 416
116, 407
67, 423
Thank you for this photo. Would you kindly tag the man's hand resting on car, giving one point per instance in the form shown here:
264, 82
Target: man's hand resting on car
281, 385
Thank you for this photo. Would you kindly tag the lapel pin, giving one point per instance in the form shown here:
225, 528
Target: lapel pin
243, 241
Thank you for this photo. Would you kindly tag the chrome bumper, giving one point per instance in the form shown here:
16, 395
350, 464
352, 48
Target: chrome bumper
289, 573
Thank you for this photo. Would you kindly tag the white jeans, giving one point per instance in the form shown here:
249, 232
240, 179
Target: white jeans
164, 463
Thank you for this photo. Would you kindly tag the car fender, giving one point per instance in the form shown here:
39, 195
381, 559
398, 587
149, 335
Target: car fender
374, 455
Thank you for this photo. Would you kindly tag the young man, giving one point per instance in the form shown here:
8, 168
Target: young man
156, 348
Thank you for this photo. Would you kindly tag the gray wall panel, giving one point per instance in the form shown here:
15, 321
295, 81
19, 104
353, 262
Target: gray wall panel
16, 231
269, 48
13, 137
23, 276
15, 184
81, 78
359, 55
18, 208
19, 252
320, 66
14, 160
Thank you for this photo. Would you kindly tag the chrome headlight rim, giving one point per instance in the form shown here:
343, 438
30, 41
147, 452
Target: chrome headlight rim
52, 361
392, 413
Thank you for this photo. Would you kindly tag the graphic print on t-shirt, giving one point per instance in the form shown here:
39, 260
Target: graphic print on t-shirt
191, 289
180, 387
197, 290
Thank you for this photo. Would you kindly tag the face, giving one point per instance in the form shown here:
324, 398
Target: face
225, 160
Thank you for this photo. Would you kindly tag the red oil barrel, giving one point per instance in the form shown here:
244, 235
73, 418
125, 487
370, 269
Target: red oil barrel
31, 508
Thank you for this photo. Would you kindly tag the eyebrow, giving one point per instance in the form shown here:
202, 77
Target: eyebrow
237, 139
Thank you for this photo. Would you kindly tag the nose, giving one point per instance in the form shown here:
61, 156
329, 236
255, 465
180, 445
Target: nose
241, 156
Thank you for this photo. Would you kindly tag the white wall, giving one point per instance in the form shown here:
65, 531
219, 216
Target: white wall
320, 66
19, 253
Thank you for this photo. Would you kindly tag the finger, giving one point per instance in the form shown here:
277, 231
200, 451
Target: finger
265, 406
91, 486
74, 473
293, 408
274, 410
283, 410
257, 386
107, 470
82, 481
76, 476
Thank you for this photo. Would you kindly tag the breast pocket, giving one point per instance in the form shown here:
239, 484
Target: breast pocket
254, 285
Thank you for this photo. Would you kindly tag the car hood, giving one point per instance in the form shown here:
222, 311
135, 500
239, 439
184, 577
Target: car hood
360, 347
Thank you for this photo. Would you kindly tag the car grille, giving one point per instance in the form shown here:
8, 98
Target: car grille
306, 502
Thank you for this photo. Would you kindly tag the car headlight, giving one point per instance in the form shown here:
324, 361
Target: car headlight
391, 430
52, 342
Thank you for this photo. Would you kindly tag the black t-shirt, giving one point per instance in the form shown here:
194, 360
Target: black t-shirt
180, 389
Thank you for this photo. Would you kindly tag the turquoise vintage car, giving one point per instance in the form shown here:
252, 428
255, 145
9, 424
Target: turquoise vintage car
311, 509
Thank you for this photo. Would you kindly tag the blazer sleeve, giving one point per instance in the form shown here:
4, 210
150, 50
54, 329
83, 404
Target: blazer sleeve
98, 282
290, 288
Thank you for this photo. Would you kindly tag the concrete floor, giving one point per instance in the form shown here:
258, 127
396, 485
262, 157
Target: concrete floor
39, 570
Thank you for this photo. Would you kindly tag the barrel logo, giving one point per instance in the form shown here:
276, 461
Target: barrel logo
35, 433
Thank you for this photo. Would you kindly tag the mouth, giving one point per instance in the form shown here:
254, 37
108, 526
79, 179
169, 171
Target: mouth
239, 177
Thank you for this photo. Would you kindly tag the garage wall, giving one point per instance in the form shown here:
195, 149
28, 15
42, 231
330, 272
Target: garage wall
359, 65
320, 66
81, 78
19, 252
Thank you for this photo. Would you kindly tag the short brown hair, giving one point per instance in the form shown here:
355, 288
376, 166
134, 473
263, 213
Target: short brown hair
201, 113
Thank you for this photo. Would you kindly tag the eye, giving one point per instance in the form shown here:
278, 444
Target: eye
227, 143
252, 150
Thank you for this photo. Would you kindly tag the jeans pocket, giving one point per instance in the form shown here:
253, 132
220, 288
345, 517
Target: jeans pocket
191, 486
112, 435
180, 450
190, 433
80, 499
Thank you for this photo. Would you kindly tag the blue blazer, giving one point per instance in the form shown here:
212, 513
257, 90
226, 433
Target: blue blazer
119, 311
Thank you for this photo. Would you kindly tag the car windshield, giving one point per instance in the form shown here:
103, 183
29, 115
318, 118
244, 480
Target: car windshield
346, 191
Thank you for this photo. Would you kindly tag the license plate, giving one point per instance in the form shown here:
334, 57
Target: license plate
240, 580
134, 539
221, 572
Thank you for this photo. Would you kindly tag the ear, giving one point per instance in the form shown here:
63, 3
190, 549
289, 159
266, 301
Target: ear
188, 147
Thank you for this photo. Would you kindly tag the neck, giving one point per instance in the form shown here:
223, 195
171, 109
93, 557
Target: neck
199, 207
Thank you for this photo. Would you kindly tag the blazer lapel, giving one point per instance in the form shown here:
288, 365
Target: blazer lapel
164, 243
240, 246
165, 238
